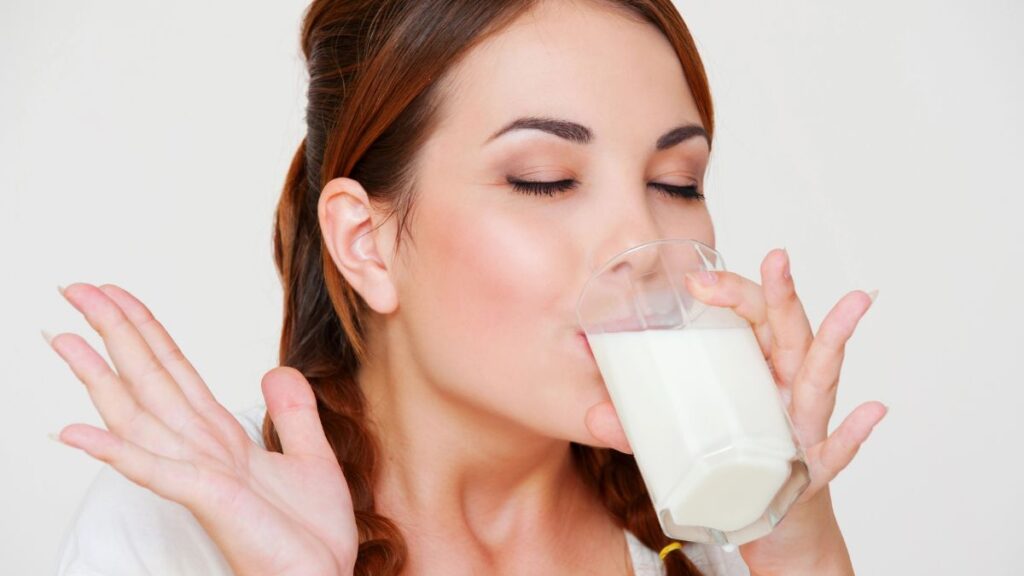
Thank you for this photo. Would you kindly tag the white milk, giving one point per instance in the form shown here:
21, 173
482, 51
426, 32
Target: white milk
704, 418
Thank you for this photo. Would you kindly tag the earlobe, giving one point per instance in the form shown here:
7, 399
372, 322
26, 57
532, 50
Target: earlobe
347, 224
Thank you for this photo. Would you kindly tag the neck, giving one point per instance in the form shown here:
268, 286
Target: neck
456, 470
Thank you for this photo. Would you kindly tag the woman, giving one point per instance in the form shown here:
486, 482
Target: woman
520, 144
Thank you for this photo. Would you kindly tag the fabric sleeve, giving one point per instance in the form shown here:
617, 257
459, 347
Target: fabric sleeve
710, 559
714, 561
121, 528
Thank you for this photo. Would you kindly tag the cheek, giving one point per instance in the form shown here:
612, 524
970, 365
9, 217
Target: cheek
501, 275
491, 317
488, 283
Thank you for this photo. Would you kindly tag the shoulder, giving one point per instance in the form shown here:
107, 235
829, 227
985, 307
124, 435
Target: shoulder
710, 559
120, 527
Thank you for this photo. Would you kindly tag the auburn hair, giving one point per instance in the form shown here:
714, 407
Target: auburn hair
374, 67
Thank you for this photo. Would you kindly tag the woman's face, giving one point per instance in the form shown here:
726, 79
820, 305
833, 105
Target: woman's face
487, 292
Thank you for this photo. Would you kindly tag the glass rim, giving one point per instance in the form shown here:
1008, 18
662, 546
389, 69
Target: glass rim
604, 267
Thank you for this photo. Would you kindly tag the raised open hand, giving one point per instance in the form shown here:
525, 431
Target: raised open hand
269, 513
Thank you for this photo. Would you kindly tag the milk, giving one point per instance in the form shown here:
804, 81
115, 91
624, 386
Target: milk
707, 426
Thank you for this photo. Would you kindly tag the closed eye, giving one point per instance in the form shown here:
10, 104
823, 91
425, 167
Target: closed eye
552, 188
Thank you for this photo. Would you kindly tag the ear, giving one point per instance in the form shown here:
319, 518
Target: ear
346, 221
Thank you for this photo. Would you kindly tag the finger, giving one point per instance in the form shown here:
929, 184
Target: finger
118, 409
175, 362
791, 330
814, 390
604, 425
830, 457
292, 407
742, 295
135, 361
166, 350
173, 479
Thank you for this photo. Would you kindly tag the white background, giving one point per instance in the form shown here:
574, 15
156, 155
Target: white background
144, 144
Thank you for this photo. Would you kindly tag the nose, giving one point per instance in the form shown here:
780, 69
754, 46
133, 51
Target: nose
633, 289
630, 225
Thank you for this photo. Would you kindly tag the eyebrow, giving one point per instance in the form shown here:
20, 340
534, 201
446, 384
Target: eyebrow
580, 134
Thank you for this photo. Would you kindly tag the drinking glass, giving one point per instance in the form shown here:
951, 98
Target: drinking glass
707, 424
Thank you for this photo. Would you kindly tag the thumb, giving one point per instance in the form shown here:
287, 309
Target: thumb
603, 422
292, 407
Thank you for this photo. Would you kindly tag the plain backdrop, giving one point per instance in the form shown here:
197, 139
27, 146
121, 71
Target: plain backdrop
144, 144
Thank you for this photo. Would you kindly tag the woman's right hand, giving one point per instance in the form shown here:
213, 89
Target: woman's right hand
269, 513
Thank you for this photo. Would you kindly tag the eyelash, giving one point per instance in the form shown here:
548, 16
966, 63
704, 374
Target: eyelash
552, 188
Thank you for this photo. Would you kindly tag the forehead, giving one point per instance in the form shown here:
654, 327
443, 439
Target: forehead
576, 60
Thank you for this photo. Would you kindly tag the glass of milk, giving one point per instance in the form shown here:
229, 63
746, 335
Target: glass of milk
709, 429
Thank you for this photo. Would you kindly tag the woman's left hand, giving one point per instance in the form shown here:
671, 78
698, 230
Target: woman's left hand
806, 368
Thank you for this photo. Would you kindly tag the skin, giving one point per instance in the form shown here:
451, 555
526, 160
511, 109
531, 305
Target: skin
478, 379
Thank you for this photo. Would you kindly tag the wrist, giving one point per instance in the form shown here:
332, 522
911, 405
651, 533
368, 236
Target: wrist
829, 557
812, 544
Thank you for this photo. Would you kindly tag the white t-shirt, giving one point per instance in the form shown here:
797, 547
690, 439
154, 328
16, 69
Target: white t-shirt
123, 529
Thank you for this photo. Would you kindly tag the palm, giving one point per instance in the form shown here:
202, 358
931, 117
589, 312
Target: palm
268, 512
293, 507
281, 510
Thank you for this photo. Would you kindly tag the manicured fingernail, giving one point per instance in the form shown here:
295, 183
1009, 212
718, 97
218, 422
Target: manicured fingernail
885, 416
873, 294
704, 277
46, 336
785, 269
787, 395
60, 289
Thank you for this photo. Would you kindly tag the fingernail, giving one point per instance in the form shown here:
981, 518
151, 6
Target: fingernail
46, 336
885, 416
60, 289
55, 437
704, 277
785, 268
787, 396
873, 294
